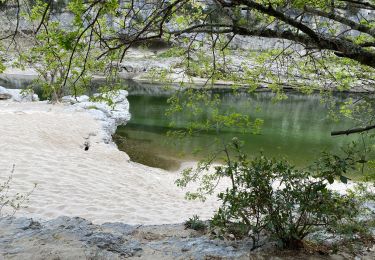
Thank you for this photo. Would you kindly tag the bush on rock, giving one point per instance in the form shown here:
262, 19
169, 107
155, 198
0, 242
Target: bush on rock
272, 198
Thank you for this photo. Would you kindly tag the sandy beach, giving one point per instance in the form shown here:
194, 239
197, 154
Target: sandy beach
46, 144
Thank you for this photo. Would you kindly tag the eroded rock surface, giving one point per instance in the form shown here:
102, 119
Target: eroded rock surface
17, 95
110, 115
77, 238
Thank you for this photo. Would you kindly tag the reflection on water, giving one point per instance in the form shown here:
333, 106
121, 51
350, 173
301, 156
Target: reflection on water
297, 129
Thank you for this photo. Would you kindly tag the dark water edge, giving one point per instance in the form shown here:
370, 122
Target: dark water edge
140, 152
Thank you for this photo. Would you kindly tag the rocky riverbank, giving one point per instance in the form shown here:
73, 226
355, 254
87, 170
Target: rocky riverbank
109, 116
77, 238
157, 67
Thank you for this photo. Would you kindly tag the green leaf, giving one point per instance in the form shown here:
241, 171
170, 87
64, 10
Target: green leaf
180, 20
344, 179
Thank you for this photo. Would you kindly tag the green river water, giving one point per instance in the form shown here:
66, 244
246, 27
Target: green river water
297, 129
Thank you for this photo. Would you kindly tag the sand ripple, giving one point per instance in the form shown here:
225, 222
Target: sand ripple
45, 143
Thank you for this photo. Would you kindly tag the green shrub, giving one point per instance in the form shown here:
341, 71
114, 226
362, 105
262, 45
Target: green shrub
172, 52
272, 197
195, 223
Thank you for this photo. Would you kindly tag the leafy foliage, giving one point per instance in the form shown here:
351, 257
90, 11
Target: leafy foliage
195, 223
64, 57
272, 197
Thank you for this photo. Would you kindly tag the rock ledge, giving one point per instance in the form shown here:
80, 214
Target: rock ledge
110, 116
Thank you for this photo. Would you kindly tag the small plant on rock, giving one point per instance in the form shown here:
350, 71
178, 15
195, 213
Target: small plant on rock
195, 223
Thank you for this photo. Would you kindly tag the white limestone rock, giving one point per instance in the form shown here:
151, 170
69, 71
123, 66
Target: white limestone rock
16, 95
111, 116
74, 100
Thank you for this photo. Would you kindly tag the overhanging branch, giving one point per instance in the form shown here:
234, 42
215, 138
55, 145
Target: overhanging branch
353, 131
338, 18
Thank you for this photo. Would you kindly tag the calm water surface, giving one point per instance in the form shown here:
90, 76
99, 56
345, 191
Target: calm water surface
297, 129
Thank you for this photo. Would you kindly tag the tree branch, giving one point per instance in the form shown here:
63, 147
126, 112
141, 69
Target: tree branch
352, 131
360, 3
44, 16
338, 18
